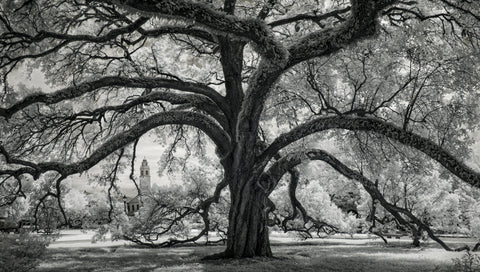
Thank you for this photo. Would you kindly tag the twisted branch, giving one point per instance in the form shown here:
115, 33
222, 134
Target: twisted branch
198, 120
377, 126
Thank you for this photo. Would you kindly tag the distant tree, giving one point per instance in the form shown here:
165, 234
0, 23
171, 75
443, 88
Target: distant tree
264, 80
316, 213
170, 211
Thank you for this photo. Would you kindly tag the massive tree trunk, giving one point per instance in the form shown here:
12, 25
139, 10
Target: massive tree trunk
247, 234
248, 230
248, 215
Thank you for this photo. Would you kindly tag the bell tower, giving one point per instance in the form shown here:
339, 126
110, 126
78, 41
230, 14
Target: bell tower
144, 178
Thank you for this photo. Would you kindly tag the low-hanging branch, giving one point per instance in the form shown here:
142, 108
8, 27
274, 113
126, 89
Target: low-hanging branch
69, 127
204, 123
295, 158
317, 225
391, 131
183, 101
201, 209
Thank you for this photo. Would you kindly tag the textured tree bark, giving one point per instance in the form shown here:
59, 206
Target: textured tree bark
248, 230
247, 234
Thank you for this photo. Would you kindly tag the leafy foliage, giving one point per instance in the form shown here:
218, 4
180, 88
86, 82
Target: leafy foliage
22, 252
469, 262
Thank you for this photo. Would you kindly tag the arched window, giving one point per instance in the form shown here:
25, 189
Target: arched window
146, 173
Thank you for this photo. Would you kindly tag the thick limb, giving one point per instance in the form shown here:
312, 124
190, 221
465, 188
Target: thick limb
116, 142
381, 127
113, 81
317, 225
414, 223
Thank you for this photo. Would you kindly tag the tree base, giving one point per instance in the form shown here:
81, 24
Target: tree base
224, 255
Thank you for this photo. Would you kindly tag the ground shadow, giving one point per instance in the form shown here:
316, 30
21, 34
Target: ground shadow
297, 257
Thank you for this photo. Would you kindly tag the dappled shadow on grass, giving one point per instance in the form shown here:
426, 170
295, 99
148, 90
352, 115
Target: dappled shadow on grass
310, 257
116, 259
333, 258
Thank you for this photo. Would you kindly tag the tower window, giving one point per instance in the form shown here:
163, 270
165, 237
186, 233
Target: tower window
146, 173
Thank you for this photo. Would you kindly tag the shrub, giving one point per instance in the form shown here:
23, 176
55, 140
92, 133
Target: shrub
21, 252
469, 262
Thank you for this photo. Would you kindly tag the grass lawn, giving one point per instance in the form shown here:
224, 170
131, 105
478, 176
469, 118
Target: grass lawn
318, 255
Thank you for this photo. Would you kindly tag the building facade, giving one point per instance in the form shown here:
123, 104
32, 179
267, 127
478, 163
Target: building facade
133, 204
145, 182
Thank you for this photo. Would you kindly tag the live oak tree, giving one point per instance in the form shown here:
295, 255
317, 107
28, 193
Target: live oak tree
119, 69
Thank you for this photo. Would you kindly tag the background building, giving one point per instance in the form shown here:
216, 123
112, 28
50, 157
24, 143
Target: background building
132, 199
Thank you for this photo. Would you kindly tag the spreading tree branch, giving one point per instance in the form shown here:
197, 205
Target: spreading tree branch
391, 131
114, 81
118, 141
312, 17
8, 39
295, 158
251, 29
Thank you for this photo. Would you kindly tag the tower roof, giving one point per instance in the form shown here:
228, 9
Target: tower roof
144, 175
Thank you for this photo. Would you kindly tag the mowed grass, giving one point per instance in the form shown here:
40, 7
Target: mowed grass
311, 256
